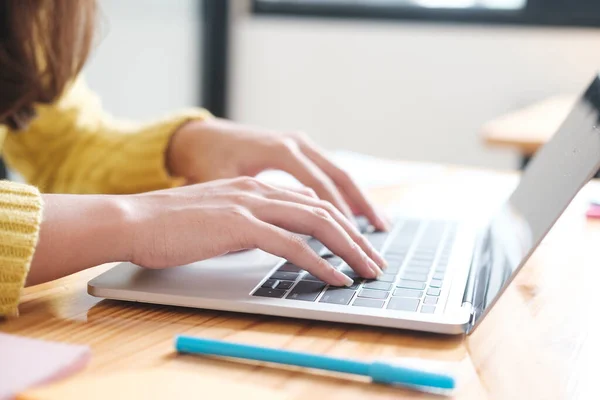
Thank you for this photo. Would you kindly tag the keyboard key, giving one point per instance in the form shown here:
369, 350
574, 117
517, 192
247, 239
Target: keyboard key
266, 292
387, 277
435, 283
428, 309
377, 239
402, 304
326, 252
337, 296
420, 257
316, 246
438, 275
350, 272
410, 276
394, 258
356, 284
310, 277
377, 285
399, 247
416, 294
373, 294
368, 303
410, 285
284, 285
285, 276
417, 270
420, 263
422, 269
334, 261
430, 300
392, 269
289, 267
433, 291
363, 224
395, 264
306, 291
270, 283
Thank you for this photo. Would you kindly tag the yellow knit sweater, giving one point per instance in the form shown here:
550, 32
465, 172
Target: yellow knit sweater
73, 146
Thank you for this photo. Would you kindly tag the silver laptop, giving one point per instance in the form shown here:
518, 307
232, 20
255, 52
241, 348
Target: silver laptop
443, 276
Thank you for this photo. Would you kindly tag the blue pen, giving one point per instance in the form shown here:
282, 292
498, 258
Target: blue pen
379, 371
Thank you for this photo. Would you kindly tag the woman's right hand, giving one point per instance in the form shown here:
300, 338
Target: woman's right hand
183, 225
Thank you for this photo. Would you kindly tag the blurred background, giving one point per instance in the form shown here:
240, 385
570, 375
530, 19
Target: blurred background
406, 79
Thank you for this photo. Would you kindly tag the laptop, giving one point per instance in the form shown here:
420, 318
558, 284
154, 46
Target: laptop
444, 276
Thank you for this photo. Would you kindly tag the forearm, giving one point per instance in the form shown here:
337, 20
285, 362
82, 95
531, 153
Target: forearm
74, 146
79, 232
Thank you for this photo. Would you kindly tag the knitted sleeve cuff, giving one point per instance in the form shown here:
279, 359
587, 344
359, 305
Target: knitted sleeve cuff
144, 157
20, 218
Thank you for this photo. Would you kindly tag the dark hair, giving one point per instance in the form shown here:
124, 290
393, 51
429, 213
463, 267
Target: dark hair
43, 46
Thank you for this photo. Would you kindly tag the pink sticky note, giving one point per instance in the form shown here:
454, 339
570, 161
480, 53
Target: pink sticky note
26, 362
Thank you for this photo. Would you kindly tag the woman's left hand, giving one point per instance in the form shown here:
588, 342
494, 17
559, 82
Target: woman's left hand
202, 151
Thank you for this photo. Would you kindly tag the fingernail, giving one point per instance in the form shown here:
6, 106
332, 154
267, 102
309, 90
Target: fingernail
384, 265
343, 278
386, 223
378, 272
381, 263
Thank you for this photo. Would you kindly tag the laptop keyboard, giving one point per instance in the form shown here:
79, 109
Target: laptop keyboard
417, 252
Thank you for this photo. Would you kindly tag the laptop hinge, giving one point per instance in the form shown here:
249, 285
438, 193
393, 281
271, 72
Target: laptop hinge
480, 258
469, 293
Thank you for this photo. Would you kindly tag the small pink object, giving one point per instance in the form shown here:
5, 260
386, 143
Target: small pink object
593, 212
25, 363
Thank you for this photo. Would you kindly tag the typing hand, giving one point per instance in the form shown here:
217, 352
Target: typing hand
203, 151
178, 226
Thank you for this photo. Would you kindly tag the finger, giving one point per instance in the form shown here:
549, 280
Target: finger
350, 229
293, 248
346, 184
318, 223
356, 210
304, 191
302, 168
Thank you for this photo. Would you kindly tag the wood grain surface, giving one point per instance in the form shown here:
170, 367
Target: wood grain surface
535, 344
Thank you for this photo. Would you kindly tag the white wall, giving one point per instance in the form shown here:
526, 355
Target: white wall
147, 59
398, 89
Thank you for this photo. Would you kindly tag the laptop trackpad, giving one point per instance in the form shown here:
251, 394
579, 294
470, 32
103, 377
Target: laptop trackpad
231, 275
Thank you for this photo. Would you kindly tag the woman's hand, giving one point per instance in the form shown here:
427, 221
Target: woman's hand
178, 226
197, 222
202, 151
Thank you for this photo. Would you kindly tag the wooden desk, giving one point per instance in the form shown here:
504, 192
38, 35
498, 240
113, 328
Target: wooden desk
531, 346
528, 129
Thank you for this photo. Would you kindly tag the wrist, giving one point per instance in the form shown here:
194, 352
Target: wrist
114, 225
180, 152
79, 232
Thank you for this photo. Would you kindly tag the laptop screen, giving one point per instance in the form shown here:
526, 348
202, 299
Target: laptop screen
551, 180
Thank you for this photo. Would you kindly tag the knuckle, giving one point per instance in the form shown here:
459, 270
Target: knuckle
240, 198
248, 183
327, 205
309, 192
363, 243
288, 145
296, 243
238, 212
356, 249
321, 214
